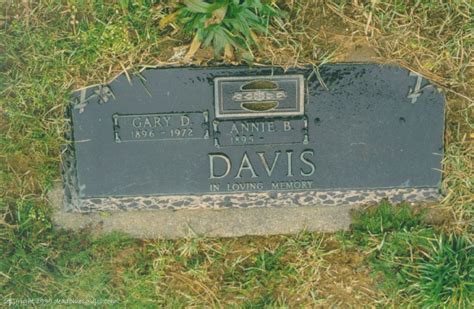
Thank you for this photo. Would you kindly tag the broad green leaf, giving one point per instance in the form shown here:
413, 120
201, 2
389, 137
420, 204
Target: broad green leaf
197, 6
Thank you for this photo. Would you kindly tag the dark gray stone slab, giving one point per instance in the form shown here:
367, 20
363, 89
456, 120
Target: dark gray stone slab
249, 137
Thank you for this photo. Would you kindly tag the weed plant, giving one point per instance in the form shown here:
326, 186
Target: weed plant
226, 25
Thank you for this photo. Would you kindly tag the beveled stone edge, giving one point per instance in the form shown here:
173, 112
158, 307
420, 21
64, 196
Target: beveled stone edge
68, 169
251, 200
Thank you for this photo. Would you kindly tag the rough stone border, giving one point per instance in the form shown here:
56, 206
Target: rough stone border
251, 200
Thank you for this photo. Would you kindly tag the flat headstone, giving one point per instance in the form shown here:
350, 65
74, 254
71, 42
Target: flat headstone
240, 137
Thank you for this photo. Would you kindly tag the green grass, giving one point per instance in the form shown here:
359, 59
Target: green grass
392, 257
419, 264
443, 273
386, 218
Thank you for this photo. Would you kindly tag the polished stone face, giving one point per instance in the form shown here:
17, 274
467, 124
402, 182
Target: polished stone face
223, 130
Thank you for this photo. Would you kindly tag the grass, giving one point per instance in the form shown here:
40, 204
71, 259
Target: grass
419, 264
392, 257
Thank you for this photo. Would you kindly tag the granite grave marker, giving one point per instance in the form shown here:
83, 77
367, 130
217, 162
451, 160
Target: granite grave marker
225, 137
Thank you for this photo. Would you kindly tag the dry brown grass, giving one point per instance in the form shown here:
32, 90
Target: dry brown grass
299, 270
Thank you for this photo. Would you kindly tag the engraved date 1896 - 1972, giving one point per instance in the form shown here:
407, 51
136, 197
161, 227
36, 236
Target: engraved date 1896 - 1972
151, 133
161, 127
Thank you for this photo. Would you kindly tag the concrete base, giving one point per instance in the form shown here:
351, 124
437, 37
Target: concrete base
172, 224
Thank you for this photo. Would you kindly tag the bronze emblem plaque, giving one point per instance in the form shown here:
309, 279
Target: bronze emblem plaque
259, 96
